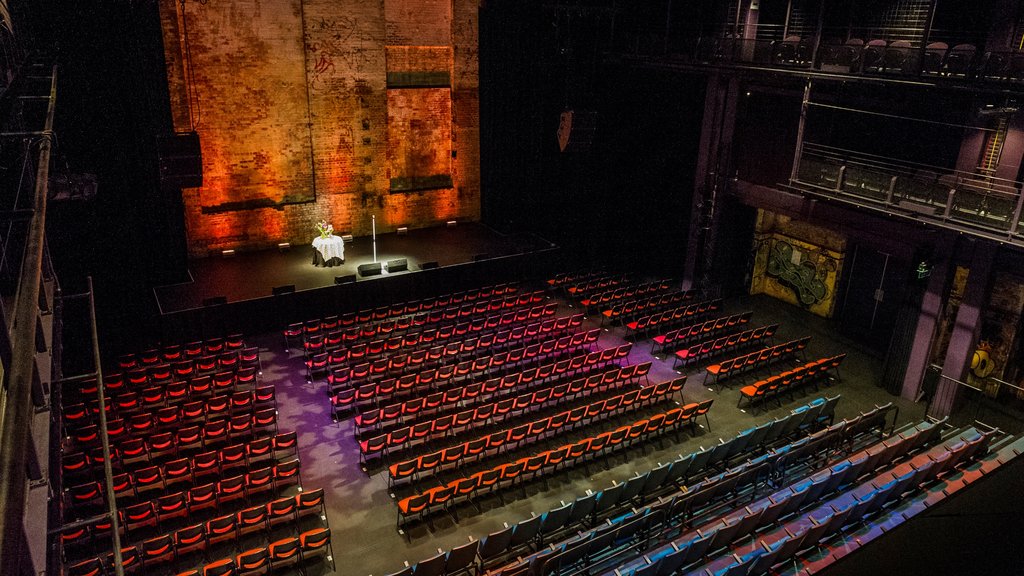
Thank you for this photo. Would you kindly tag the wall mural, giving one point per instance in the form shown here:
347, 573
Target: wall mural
805, 277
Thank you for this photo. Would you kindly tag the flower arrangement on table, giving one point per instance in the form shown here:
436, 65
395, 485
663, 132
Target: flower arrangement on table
325, 229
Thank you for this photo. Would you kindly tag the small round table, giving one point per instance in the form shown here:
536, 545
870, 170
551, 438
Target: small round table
328, 251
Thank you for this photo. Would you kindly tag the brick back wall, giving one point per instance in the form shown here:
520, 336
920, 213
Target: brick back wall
295, 106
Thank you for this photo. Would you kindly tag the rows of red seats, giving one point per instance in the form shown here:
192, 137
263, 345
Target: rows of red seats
785, 382
627, 310
447, 376
756, 360
625, 291
514, 438
403, 360
175, 352
723, 344
465, 398
445, 496
672, 339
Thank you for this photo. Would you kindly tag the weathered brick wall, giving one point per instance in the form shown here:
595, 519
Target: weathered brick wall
297, 123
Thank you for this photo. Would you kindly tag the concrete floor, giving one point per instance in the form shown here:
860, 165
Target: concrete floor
362, 514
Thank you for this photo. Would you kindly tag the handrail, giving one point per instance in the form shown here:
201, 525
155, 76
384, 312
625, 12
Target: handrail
18, 413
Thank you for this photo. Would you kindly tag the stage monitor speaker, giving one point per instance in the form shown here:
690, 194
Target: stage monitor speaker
429, 266
481, 257
215, 300
180, 160
369, 269
287, 289
397, 265
351, 278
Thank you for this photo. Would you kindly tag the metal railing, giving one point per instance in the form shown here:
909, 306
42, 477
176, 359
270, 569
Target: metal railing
990, 401
941, 194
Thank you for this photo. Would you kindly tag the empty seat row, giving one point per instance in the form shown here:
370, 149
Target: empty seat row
137, 454
630, 309
587, 510
423, 383
584, 286
161, 551
493, 331
510, 438
167, 375
565, 279
627, 291
817, 514
467, 397
371, 325
408, 329
679, 314
786, 382
685, 335
154, 407
506, 475
724, 344
175, 352
756, 360
214, 425
472, 351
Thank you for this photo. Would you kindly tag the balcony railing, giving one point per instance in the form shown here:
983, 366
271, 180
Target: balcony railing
975, 201
886, 53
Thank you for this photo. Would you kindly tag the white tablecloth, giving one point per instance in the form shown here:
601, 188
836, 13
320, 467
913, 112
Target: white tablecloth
330, 247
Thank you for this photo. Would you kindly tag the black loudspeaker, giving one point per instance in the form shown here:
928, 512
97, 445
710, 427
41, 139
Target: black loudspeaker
369, 269
180, 160
481, 257
429, 266
345, 279
279, 290
397, 265
215, 300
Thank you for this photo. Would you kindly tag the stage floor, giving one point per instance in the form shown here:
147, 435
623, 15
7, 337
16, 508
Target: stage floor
247, 276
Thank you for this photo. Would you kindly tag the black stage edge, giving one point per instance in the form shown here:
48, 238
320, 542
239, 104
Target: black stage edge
252, 282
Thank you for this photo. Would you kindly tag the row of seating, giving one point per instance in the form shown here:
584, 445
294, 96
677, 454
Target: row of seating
445, 377
644, 325
278, 555
136, 454
455, 354
601, 300
444, 497
581, 288
675, 316
427, 342
175, 352
672, 339
681, 509
468, 397
395, 334
753, 361
724, 344
153, 408
788, 381
421, 320
587, 510
563, 279
628, 309
129, 487
210, 427
163, 376
518, 436
397, 310
824, 503
496, 413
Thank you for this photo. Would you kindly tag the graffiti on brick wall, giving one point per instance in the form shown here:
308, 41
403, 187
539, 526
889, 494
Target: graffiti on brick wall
336, 46
805, 277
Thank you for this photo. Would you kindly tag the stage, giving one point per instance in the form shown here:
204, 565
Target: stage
257, 285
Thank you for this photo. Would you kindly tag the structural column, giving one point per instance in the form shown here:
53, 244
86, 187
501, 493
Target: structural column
966, 328
928, 318
711, 175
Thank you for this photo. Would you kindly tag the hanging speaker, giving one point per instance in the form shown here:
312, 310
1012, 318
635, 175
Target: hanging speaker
180, 160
